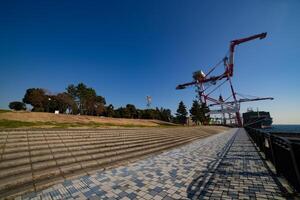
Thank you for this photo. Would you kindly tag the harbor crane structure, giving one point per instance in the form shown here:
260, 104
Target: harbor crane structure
206, 84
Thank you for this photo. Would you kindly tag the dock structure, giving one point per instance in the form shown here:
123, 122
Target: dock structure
222, 166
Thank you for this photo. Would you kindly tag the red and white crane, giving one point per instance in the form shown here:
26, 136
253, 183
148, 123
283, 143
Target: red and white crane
204, 82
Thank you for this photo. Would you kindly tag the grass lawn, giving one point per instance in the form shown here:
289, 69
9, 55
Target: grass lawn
12, 119
22, 124
4, 111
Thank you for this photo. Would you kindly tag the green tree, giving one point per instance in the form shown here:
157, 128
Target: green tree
156, 114
17, 105
37, 98
132, 111
181, 114
100, 105
196, 112
87, 100
67, 103
52, 104
147, 114
165, 115
205, 118
62, 102
109, 111
79, 95
121, 113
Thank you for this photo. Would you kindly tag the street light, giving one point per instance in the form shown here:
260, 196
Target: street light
49, 99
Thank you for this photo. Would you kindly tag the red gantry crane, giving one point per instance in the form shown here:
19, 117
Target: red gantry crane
207, 84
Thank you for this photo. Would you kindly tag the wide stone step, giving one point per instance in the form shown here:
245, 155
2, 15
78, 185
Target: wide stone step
62, 147
36, 137
12, 167
73, 147
32, 160
42, 178
41, 142
76, 134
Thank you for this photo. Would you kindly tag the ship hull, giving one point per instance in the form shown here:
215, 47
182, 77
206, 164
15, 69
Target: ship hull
259, 120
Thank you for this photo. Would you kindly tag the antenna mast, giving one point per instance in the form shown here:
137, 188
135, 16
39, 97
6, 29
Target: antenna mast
149, 101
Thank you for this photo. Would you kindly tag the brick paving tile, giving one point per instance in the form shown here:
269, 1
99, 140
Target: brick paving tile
223, 166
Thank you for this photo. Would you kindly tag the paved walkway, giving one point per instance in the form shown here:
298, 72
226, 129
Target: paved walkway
223, 166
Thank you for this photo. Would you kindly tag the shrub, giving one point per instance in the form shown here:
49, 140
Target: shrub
17, 105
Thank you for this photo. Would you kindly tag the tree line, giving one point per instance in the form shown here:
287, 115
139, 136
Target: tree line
83, 100
199, 113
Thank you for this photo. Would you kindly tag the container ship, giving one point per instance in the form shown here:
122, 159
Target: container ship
257, 119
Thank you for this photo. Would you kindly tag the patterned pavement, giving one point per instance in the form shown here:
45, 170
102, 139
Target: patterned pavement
223, 166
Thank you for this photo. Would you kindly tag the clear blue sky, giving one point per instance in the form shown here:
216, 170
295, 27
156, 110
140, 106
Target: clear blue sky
129, 49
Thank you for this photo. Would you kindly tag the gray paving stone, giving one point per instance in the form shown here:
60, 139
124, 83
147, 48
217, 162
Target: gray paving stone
223, 166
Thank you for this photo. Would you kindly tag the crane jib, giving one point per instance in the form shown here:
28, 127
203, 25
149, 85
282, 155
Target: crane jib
231, 107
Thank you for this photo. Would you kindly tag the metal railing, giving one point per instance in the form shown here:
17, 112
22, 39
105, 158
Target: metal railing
283, 150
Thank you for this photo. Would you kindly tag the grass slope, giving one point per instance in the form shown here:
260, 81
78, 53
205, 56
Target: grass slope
12, 119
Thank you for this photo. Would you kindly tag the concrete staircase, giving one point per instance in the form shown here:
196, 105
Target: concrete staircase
32, 160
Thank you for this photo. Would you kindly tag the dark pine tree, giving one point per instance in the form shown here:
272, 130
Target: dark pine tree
196, 112
181, 113
205, 118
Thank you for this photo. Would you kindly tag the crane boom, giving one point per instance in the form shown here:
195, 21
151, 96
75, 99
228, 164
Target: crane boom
234, 43
244, 100
229, 66
200, 79
183, 86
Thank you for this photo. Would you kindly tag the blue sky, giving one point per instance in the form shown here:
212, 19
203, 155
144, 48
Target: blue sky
127, 50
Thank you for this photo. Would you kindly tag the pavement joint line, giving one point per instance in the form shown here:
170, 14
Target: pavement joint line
30, 161
234, 167
129, 181
215, 164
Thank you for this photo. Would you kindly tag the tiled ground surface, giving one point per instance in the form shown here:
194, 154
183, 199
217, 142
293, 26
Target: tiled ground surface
32, 160
223, 166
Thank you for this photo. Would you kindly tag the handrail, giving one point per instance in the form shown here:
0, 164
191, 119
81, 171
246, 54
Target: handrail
282, 151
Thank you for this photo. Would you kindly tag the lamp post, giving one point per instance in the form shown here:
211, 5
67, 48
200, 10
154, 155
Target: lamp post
49, 99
